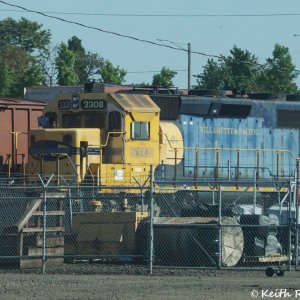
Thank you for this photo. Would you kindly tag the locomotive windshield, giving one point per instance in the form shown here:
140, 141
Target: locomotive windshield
86, 120
114, 121
70, 121
92, 120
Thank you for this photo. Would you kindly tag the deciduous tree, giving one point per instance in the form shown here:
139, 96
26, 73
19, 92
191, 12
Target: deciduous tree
65, 63
242, 71
237, 71
20, 44
164, 78
111, 74
24, 34
279, 72
87, 64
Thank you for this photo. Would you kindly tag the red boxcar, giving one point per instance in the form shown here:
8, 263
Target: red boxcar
17, 117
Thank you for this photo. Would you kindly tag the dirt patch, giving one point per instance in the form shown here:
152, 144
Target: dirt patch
90, 281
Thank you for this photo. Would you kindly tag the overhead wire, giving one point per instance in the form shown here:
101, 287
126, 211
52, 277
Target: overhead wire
155, 71
108, 31
124, 35
165, 15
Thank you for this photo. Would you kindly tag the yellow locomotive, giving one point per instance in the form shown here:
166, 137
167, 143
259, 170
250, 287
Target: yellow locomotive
109, 139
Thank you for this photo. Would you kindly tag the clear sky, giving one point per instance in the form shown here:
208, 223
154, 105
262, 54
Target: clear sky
207, 34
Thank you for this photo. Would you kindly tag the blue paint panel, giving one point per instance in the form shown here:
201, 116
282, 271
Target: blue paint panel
205, 158
247, 141
241, 134
188, 134
289, 142
268, 160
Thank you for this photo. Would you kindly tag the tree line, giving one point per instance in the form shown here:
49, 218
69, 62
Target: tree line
241, 71
27, 58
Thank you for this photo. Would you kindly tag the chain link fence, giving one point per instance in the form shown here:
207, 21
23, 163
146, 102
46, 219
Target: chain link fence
221, 227
250, 227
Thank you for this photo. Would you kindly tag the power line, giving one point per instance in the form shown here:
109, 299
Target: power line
155, 71
107, 31
123, 35
164, 15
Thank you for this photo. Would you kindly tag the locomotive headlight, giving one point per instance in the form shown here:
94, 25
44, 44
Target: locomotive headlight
75, 102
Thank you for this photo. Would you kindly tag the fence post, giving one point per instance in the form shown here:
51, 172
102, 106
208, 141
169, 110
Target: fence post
151, 222
254, 192
70, 207
45, 185
296, 241
290, 229
296, 245
297, 215
220, 230
44, 231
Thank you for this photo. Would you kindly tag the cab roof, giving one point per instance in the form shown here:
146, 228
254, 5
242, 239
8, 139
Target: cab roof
135, 103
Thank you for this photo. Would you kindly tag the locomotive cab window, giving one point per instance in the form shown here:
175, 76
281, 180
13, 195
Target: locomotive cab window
71, 121
140, 130
114, 122
92, 120
50, 120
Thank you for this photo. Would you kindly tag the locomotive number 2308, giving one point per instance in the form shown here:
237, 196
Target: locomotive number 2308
93, 104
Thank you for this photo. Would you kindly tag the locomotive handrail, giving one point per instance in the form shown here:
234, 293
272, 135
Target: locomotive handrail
59, 154
241, 167
8, 160
231, 149
91, 173
109, 133
162, 133
238, 151
248, 149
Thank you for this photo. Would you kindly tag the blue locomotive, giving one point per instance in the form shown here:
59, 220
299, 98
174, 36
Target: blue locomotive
253, 137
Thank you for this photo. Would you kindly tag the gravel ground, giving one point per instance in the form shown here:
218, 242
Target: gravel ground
89, 281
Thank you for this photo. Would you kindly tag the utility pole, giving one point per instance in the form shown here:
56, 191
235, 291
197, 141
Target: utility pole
189, 51
189, 66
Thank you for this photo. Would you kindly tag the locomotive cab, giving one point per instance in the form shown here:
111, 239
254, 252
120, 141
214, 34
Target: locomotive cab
111, 139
